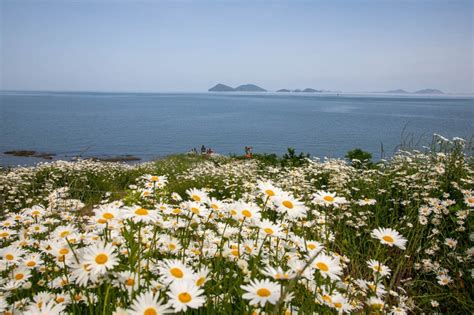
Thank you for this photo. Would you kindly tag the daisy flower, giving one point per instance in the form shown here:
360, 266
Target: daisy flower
201, 277
148, 303
379, 268
268, 228
139, 214
261, 291
326, 198
444, 279
366, 202
12, 254
389, 237
197, 195
129, 280
106, 214
184, 295
197, 209
50, 308
469, 200
376, 303
173, 269
268, 189
21, 274
450, 242
278, 273
248, 212
286, 203
328, 266
100, 258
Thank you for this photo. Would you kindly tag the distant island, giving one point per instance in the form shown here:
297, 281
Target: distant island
221, 88
254, 88
307, 90
241, 88
429, 91
424, 91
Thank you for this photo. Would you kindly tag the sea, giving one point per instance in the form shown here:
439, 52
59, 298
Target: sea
153, 125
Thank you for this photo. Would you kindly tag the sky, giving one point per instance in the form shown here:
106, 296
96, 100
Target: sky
189, 46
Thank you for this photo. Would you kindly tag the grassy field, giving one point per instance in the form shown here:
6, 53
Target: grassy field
223, 235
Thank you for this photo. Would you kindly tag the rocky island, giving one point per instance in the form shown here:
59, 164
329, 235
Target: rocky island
241, 88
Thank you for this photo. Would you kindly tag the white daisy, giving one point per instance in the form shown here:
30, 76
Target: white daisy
389, 237
261, 291
185, 294
100, 258
148, 303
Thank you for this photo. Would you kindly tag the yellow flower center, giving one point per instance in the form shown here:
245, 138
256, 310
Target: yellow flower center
200, 281
263, 292
176, 210
388, 239
270, 192
184, 297
108, 216
288, 204
214, 206
268, 231
327, 298
59, 299
328, 198
141, 211
31, 264
171, 246
150, 311
19, 276
470, 200
311, 246
35, 213
337, 305
195, 210
101, 259
247, 213
196, 198
176, 272
64, 251
129, 282
322, 266
64, 233
154, 178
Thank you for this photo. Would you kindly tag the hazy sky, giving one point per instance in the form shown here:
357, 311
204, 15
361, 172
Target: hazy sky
192, 45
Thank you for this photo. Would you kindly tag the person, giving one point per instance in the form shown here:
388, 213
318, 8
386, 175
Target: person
203, 149
248, 152
209, 151
195, 152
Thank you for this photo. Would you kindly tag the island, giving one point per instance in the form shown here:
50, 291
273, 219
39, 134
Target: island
429, 91
283, 90
309, 90
424, 91
249, 88
241, 88
297, 90
398, 91
221, 88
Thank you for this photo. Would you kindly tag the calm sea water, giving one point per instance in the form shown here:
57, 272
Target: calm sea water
153, 125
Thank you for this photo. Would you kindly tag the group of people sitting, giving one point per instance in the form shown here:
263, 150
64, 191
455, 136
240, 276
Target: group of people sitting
204, 151
209, 151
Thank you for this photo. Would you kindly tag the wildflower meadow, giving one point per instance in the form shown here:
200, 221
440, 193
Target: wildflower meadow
230, 235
